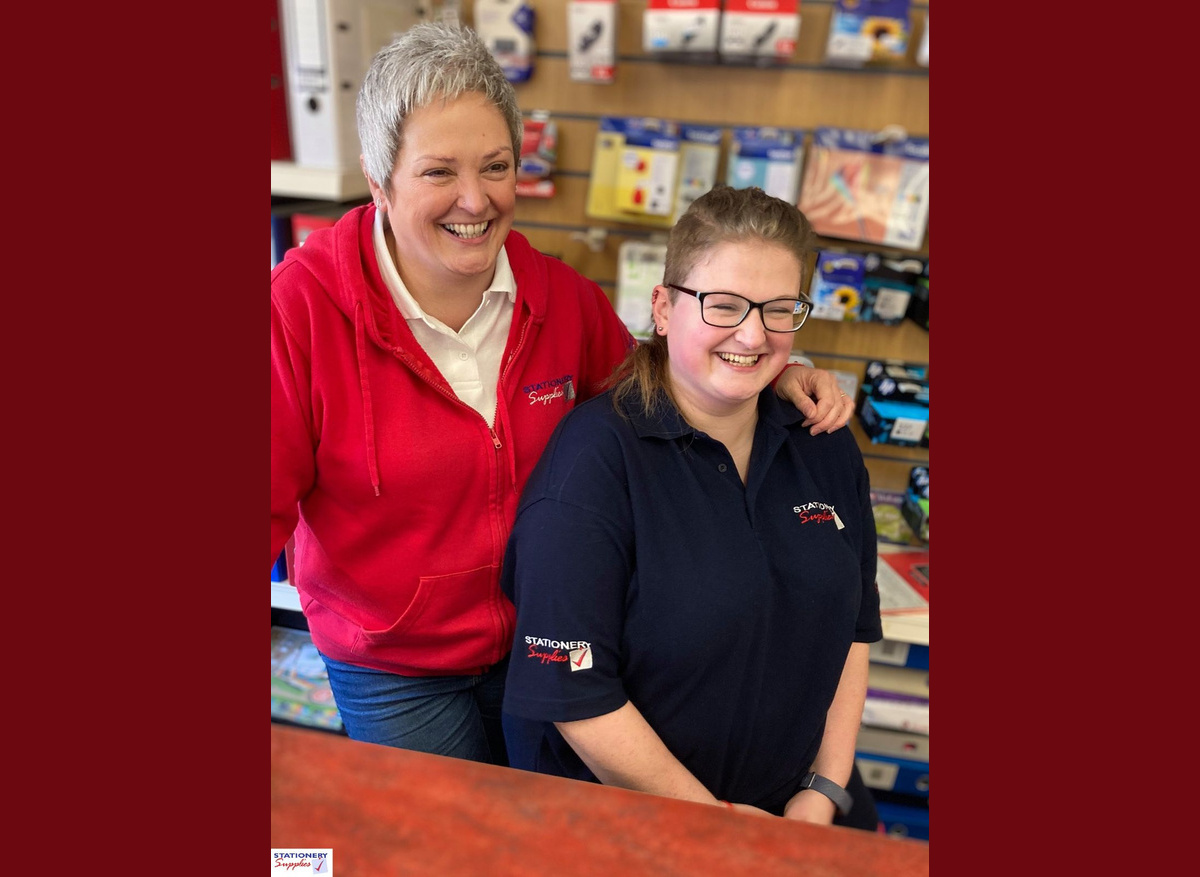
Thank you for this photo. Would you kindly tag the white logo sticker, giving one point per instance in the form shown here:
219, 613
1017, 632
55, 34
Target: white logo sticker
581, 659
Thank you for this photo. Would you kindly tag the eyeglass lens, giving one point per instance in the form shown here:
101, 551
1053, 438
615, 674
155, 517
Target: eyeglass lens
726, 309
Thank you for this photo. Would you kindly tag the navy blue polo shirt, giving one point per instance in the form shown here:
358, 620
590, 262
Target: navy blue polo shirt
643, 569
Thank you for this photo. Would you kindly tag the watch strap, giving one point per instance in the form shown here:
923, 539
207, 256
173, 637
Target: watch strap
831, 790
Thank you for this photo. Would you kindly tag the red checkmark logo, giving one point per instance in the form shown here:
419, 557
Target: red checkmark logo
582, 655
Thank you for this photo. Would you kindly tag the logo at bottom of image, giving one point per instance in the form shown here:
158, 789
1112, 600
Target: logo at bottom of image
302, 860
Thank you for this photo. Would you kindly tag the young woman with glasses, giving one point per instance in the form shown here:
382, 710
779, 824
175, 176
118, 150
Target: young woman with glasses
693, 571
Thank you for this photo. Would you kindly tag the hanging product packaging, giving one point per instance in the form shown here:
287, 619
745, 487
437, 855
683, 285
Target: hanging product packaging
887, 288
837, 286
592, 40
506, 27
864, 31
768, 158
864, 186
759, 32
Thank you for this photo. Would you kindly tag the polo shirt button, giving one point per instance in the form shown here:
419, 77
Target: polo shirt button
463, 356
721, 467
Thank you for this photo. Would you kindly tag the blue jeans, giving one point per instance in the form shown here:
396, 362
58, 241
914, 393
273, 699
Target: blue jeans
458, 716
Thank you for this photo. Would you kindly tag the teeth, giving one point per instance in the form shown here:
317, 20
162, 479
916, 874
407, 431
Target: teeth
738, 359
468, 231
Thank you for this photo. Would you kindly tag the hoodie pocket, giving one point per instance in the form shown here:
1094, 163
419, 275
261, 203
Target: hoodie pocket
452, 624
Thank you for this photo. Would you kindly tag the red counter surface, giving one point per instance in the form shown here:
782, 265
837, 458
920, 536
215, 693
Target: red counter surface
386, 811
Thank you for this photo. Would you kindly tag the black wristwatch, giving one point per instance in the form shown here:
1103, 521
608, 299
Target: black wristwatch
829, 789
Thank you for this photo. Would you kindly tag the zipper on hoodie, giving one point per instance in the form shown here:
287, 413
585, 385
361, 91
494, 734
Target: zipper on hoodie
500, 388
513, 356
506, 633
419, 370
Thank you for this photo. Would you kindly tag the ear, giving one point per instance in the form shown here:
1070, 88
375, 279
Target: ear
661, 306
377, 194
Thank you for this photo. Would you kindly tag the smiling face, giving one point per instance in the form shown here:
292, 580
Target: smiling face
719, 371
453, 195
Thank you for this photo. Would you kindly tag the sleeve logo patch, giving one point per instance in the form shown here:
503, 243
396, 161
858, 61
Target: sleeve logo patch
581, 659
577, 653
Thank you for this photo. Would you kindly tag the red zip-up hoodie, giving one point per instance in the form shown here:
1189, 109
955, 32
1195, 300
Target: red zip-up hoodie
400, 495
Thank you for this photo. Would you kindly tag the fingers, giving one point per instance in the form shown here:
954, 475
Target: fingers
830, 410
830, 414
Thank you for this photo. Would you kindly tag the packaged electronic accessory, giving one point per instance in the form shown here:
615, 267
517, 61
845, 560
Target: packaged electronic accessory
683, 30
699, 156
837, 286
760, 32
864, 31
506, 28
887, 288
894, 404
896, 369
647, 168
539, 151
592, 40
768, 158
640, 267
900, 419
867, 186
632, 159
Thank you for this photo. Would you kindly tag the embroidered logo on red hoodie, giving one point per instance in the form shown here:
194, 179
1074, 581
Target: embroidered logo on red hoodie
547, 391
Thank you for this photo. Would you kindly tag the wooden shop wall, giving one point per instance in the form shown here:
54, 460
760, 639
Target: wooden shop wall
804, 93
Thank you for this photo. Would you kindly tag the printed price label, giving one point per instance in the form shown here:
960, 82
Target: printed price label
908, 429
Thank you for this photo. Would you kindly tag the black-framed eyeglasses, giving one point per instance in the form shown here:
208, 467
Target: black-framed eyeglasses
725, 310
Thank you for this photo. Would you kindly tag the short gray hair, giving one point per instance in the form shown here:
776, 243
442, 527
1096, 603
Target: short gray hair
429, 61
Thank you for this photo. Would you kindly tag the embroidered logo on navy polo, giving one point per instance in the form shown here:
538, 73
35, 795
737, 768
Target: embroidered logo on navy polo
552, 651
819, 513
547, 391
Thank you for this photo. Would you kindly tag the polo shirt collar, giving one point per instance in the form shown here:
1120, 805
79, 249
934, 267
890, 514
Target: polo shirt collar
668, 423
